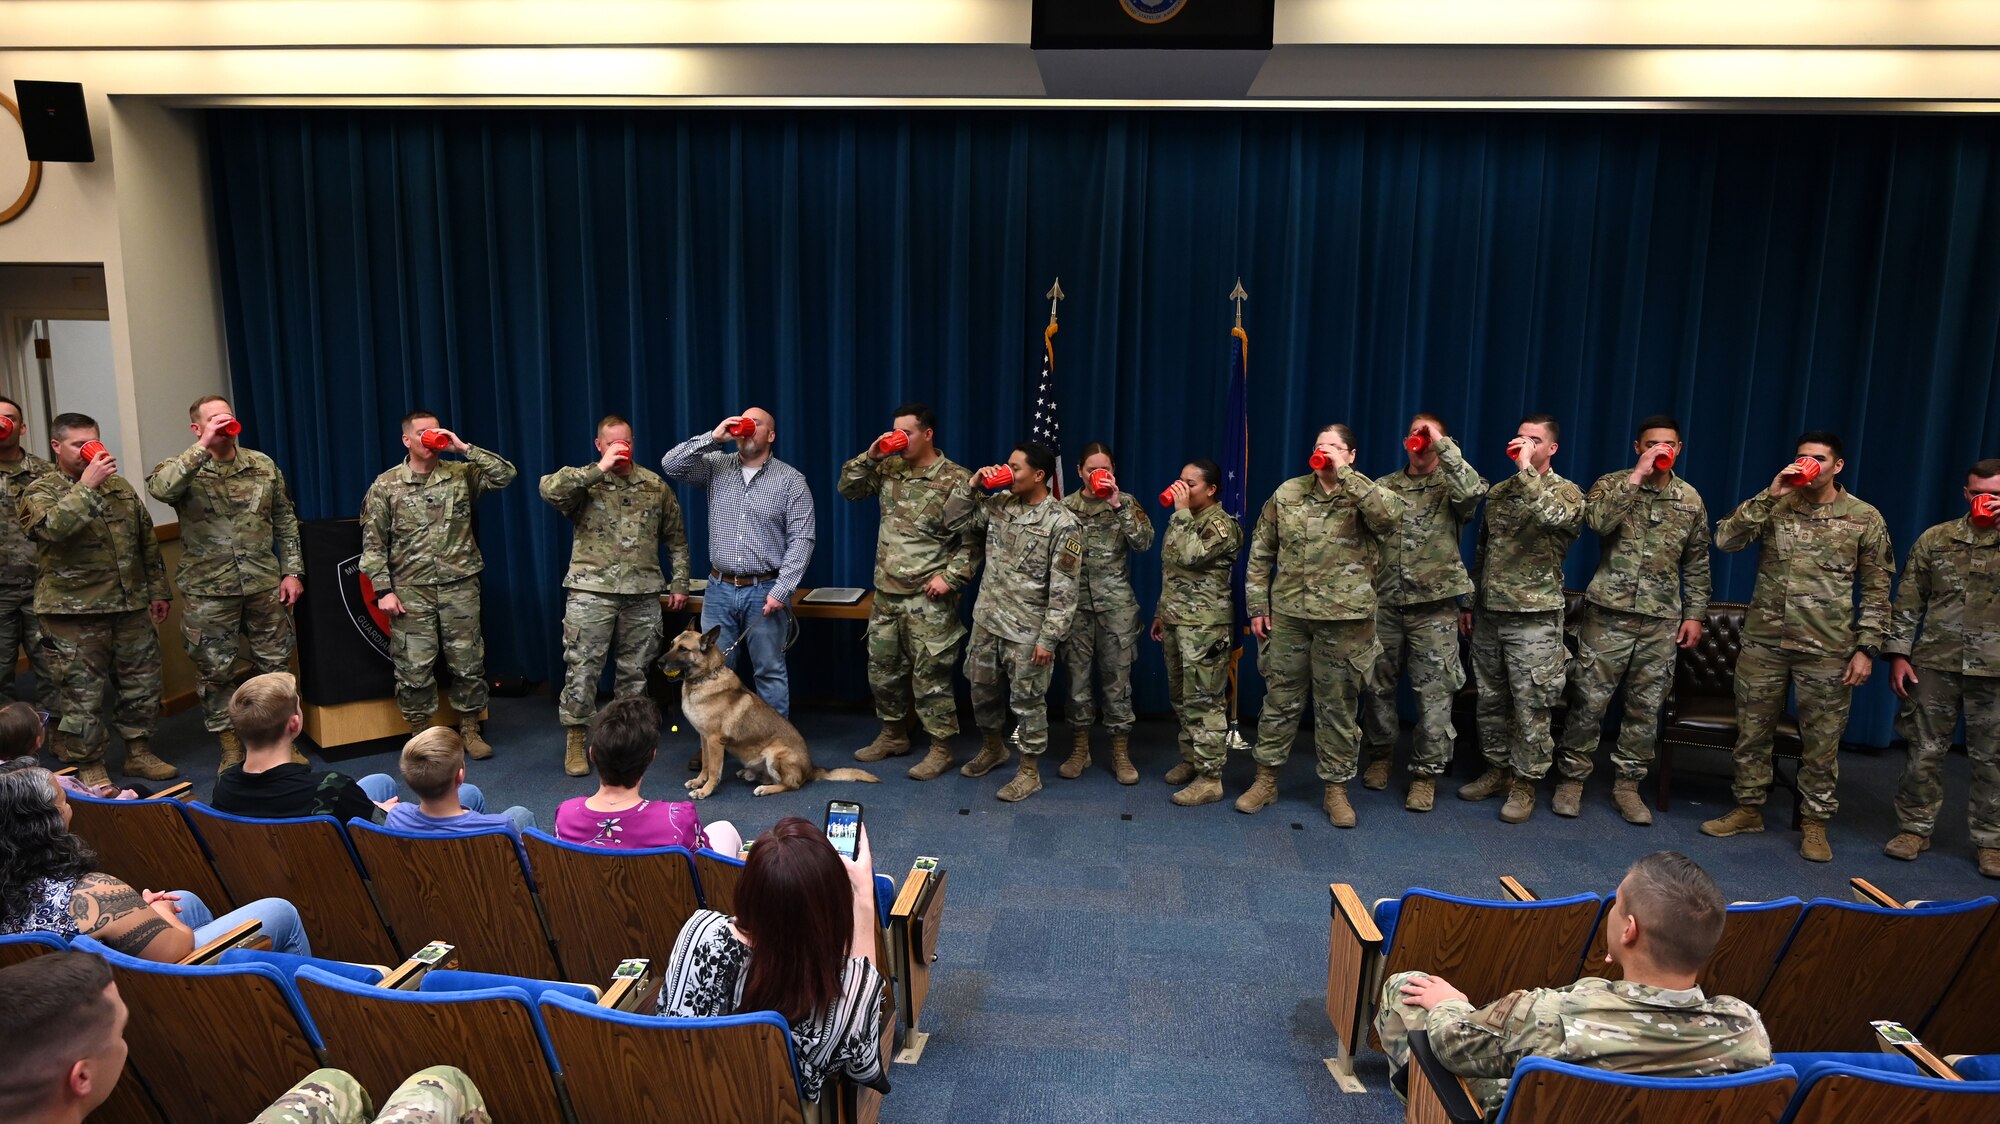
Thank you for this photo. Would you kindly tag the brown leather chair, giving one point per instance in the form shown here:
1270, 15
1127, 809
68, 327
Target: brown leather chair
1701, 706
1465, 704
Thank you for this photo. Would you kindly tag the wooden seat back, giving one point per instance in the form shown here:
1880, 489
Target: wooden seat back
473, 887
1847, 964
148, 845
617, 1066
1744, 958
1489, 949
1565, 1095
1964, 1021
718, 877
605, 905
307, 862
375, 1034
21, 947
1843, 1098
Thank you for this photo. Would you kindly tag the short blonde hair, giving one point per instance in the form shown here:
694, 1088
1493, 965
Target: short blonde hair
431, 760
262, 706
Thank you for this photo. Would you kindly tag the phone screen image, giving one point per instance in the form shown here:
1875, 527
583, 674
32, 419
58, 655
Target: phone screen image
843, 827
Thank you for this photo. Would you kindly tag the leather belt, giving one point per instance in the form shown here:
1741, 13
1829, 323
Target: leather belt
741, 581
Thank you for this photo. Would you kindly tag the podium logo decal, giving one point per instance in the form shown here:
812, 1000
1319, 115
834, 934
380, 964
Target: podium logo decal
1152, 11
357, 596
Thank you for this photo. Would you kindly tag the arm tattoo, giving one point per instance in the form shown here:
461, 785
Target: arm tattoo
100, 900
133, 941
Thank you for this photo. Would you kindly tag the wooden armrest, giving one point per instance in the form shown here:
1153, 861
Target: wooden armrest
239, 937
1515, 890
1354, 944
1928, 1064
409, 975
65, 771
626, 992
1434, 1093
1867, 893
182, 791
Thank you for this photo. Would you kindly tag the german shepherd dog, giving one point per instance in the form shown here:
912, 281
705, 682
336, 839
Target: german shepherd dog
729, 716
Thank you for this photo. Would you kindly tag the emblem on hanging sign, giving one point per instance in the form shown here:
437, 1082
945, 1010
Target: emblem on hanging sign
1152, 11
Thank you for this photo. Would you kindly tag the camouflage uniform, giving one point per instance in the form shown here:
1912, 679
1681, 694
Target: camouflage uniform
19, 628
239, 539
913, 638
614, 578
1197, 561
1620, 1026
99, 570
1951, 590
1027, 601
1802, 627
417, 542
1107, 626
1321, 601
1654, 539
1418, 595
1517, 625
438, 1095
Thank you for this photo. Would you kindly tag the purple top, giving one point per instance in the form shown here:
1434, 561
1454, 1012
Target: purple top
650, 823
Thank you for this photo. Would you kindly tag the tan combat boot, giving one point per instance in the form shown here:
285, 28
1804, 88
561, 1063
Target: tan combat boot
1520, 802
1568, 800
1027, 780
1907, 846
1492, 782
1079, 755
1625, 794
1813, 846
934, 763
1989, 861
140, 762
992, 751
1204, 790
893, 741
1338, 811
1121, 759
1376, 778
1180, 774
476, 747
297, 757
1262, 791
576, 755
1742, 820
93, 776
232, 751
1423, 794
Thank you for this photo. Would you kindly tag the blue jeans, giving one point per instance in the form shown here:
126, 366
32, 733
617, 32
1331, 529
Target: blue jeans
281, 922
381, 786
738, 611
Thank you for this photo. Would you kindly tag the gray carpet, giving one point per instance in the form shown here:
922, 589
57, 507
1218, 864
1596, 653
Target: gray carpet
1107, 956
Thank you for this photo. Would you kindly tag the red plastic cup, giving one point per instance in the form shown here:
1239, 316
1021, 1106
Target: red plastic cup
435, 440
8, 426
1665, 461
1514, 448
1804, 471
1100, 484
622, 450
1985, 509
1001, 479
1167, 497
232, 427
895, 441
1321, 460
1418, 442
91, 450
744, 427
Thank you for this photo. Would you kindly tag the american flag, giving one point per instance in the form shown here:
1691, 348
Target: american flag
1046, 428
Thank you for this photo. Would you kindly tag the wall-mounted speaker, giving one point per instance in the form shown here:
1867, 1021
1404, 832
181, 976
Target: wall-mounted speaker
54, 122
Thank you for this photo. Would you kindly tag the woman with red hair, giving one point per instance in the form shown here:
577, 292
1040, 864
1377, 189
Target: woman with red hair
802, 944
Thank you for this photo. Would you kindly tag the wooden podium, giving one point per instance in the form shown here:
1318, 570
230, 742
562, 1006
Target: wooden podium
366, 720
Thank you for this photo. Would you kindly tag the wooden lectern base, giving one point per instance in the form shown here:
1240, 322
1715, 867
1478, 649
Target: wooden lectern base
365, 720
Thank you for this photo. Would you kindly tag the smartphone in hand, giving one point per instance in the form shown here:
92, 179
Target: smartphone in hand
843, 827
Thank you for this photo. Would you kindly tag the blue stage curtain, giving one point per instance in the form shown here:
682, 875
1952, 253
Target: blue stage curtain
524, 272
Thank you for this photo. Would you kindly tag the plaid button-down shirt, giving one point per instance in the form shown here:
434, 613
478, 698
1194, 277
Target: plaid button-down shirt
757, 527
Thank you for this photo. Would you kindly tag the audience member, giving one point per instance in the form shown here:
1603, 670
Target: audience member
433, 766
22, 730
62, 1038
438, 1095
269, 784
1662, 928
623, 741
802, 944
48, 884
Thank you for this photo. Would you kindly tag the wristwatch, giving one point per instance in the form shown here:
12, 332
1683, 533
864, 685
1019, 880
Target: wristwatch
1871, 651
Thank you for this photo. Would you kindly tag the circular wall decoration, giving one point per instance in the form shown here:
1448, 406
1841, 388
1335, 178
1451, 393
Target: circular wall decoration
28, 189
1152, 11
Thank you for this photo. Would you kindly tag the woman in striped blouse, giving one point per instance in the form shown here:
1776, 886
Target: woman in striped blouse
802, 944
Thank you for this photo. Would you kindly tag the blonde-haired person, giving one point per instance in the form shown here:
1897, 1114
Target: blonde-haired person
433, 765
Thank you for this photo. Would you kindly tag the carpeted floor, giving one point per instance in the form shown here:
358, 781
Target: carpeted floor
1107, 956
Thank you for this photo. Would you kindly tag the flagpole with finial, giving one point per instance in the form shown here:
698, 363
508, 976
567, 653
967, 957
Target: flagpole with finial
1055, 294
1235, 737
